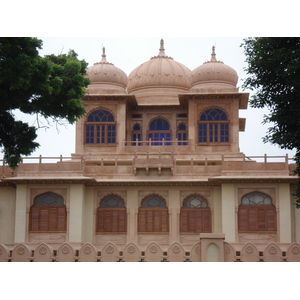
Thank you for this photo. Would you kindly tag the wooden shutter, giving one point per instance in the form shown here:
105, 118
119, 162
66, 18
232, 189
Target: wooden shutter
48, 218
153, 219
111, 219
34, 219
206, 216
271, 217
257, 218
243, 218
195, 220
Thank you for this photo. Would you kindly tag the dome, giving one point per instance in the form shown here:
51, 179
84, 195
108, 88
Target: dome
106, 78
159, 79
214, 75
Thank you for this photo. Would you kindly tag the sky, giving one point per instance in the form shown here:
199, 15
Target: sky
127, 53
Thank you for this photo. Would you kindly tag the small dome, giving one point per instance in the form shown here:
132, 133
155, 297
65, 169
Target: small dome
160, 72
214, 75
106, 78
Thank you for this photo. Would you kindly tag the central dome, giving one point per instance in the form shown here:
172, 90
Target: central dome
159, 80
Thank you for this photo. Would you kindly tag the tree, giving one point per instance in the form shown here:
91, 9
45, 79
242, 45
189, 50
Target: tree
274, 69
51, 86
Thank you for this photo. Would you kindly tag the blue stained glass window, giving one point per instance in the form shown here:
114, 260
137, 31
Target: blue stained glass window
159, 130
159, 124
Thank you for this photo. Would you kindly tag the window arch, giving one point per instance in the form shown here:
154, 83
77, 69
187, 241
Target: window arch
153, 214
136, 134
213, 126
195, 215
48, 213
111, 215
159, 130
182, 134
257, 213
100, 127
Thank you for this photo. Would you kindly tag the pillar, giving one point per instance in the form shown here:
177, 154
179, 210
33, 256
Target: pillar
285, 222
174, 211
228, 212
20, 216
76, 213
132, 211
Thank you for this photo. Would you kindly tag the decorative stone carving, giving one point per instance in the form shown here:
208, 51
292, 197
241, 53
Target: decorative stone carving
65, 250
227, 249
109, 250
153, 249
87, 250
175, 249
21, 250
249, 249
131, 249
43, 250
296, 249
272, 250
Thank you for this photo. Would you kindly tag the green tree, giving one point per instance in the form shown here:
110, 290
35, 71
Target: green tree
274, 75
51, 86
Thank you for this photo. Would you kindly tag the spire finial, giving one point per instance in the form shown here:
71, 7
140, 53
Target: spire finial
161, 49
213, 55
103, 55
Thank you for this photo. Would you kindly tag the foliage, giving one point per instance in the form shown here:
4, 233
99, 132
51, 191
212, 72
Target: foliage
51, 86
274, 75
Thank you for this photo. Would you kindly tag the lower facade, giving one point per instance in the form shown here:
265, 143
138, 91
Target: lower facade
149, 221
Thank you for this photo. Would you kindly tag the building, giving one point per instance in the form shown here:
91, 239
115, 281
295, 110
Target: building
157, 175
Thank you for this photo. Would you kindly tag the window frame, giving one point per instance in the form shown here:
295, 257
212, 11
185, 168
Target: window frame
153, 219
181, 141
99, 132
195, 219
159, 136
257, 217
48, 217
138, 134
111, 219
216, 130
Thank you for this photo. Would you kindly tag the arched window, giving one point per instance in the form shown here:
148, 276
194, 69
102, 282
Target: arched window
195, 215
153, 215
100, 127
48, 213
182, 134
159, 130
111, 215
136, 134
213, 126
256, 213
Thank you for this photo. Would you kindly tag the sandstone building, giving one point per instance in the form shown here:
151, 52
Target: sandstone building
157, 175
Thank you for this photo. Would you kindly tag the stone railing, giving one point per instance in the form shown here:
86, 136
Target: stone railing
184, 165
153, 252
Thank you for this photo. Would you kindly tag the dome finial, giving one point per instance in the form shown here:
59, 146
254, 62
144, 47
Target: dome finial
213, 55
103, 55
161, 49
